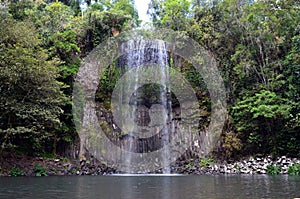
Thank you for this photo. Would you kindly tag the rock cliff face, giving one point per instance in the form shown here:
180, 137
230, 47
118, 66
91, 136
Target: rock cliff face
149, 122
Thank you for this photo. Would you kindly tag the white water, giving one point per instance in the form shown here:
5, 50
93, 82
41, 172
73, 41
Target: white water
140, 54
150, 174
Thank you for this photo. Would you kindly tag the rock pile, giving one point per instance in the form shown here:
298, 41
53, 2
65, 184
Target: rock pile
258, 165
62, 166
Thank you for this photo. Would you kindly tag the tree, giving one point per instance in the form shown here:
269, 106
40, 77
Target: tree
30, 94
255, 44
100, 19
171, 14
260, 119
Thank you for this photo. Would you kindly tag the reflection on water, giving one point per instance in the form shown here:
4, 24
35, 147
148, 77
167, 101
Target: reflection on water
152, 187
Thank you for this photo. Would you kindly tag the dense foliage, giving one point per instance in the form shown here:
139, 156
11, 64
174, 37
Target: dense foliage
41, 47
30, 94
256, 45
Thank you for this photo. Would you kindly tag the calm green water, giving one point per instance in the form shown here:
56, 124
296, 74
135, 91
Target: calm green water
152, 187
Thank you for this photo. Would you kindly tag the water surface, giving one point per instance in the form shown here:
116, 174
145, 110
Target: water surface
152, 187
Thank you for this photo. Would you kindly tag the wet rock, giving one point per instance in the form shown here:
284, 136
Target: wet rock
261, 171
245, 171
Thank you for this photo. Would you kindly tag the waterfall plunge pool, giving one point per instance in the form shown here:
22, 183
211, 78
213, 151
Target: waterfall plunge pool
154, 186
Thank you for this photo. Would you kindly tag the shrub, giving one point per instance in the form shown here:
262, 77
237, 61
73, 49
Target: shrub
48, 155
294, 170
273, 169
204, 162
232, 144
16, 171
40, 170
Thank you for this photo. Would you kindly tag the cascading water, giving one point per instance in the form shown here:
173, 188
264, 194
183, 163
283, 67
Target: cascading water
152, 56
137, 134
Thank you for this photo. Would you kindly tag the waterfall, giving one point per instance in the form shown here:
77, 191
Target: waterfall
143, 117
137, 133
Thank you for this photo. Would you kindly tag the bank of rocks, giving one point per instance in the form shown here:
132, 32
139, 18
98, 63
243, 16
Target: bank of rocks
251, 165
20, 165
35, 166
